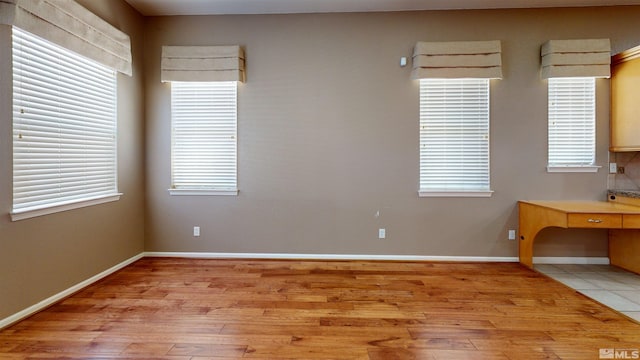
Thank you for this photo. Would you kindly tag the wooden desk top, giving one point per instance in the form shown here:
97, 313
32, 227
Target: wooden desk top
586, 207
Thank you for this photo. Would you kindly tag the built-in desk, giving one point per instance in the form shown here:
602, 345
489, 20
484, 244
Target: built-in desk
537, 215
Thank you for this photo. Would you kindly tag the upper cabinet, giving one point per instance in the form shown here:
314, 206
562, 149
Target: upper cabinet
625, 101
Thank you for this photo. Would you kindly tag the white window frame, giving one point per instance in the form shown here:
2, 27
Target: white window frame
571, 140
455, 138
64, 129
204, 138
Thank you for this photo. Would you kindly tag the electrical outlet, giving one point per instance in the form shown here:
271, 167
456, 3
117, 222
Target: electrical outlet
196, 231
512, 234
382, 233
613, 168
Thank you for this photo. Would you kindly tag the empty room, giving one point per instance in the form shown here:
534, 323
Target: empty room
319, 179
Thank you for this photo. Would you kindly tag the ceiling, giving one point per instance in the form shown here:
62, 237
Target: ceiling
226, 7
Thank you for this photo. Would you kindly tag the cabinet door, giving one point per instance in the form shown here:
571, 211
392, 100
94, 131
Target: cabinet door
625, 106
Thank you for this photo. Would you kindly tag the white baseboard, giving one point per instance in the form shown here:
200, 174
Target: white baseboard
278, 256
572, 260
63, 294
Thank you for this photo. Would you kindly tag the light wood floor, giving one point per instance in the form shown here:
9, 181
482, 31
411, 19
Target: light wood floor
211, 309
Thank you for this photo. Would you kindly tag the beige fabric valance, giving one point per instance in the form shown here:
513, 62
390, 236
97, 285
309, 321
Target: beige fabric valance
576, 58
202, 63
460, 59
68, 24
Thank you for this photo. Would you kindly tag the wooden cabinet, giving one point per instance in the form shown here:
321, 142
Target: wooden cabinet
631, 221
625, 101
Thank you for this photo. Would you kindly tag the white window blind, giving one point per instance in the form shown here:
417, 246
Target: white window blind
572, 133
203, 144
454, 137
64, 127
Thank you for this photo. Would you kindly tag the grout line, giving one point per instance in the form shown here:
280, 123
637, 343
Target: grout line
603, 271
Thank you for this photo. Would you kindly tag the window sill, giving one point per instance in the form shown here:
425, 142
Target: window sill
459, 193
31, 213
204, 192
573, 169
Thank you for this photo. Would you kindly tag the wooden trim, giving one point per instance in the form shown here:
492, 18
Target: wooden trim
626, 55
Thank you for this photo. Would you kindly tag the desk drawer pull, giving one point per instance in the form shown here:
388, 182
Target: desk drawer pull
594, 221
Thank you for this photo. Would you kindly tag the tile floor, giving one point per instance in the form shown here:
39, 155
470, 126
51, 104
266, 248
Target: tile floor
609, 285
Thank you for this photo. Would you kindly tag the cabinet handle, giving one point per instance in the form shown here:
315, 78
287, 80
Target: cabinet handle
594, 221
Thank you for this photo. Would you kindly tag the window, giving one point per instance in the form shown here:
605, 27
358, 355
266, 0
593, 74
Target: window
64, 129
454, 137
203, 138
572, 124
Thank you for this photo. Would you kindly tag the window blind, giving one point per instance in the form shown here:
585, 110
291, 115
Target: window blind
454, 135
203, 144
64, 126
572, 133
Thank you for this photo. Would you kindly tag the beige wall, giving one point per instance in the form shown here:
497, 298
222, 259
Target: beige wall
42, 256
328, 135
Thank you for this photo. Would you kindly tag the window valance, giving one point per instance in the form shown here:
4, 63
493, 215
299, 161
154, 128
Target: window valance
459, 59
202, 63
68, 24
576, 58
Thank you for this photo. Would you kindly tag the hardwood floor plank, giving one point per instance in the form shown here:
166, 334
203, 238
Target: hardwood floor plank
301, 331
39, 335
469, 354
303, 352
211, 350
200, 309
399, 354
317, 313
286, 304
148, 347
73, 346
369, 322
163, 338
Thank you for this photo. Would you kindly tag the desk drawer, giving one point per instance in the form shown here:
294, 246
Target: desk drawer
630, 221
600, 221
